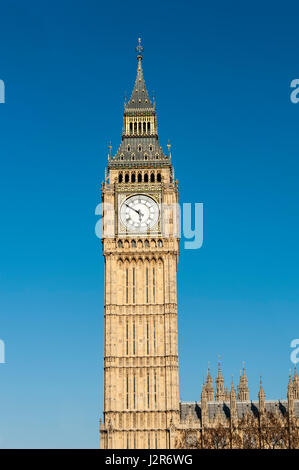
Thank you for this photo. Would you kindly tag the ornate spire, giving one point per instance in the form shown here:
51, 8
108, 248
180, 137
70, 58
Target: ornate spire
243, 390
232, 390
204, 405
261, 398
220, 393
296, 384
290, 397
233, 405
139, 97
209, 386
140, 142
290, 384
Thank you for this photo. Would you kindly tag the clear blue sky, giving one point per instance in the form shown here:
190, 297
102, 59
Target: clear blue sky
221, 73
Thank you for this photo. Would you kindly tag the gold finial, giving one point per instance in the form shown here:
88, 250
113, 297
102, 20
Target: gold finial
109, 150
169, 146
139, 49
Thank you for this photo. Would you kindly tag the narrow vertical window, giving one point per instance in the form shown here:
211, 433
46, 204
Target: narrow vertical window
127, 440
127, 337
134, 337
155, 389
148, 391
146, 284
134, 440
127, 391
134, 392
149, 440
133, 285
154, 335
127, 285
147, 338
156, 441
154, 285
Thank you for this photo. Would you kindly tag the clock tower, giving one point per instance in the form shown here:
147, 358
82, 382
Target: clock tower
141, 247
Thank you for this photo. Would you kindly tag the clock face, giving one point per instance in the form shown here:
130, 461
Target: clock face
139, 213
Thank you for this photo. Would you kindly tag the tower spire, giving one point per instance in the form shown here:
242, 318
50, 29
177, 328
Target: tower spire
140, 98
243, 390
220, 392
296, 384
262, 407
140, 142
209, 386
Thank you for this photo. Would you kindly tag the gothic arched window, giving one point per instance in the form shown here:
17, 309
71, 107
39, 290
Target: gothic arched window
152, 177
120, 178
159, 177
139, 178
145, 177
127, 178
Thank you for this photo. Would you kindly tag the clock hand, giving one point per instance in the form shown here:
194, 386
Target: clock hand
138, 212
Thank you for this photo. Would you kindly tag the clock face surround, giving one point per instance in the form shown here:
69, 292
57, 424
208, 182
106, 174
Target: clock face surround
139, 213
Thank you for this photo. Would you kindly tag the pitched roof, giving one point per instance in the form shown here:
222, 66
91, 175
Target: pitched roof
139, 98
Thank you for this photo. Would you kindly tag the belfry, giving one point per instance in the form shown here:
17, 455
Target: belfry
141, 385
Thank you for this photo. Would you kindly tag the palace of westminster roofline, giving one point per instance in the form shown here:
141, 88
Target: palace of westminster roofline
220, 401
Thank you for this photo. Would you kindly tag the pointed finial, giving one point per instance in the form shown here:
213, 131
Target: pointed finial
139, 49
109, 150
169, 148
261, 391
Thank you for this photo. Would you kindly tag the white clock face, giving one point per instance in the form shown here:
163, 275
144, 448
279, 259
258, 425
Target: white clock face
139, 213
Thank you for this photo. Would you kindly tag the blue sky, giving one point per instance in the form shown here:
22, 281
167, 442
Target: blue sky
221, 74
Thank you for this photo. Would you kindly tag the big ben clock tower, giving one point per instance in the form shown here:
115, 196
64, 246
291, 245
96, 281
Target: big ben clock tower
141, 246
